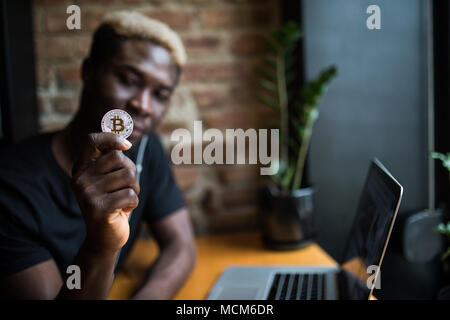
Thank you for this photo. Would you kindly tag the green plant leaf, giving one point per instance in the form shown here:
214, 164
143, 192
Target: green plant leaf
443, 228
272, 44
294, 145
296, 123
445, 254
313, 115
267, 73
444, 158
290, 77
268, 101
268, 85
440, 228
276, 179
298, 108
270, 60
287, 178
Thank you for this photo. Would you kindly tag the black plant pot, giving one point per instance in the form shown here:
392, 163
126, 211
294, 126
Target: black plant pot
287, 220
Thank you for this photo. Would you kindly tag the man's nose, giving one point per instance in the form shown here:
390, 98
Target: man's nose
142, 103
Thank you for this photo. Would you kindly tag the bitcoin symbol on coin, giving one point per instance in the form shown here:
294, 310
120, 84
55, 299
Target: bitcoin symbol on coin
117, 121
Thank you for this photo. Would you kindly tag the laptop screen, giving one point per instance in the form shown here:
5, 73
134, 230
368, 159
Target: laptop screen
371, 229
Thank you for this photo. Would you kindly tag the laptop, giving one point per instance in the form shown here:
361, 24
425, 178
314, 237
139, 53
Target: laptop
355, 279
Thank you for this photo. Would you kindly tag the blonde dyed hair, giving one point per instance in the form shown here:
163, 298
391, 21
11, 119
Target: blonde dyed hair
135, 24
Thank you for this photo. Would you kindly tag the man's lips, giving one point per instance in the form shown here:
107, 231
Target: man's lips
138, 126
141, 125
136, 132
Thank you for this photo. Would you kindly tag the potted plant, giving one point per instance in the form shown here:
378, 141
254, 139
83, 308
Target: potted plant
444, 228
287, 204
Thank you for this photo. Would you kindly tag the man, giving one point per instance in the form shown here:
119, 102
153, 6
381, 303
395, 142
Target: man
66, 197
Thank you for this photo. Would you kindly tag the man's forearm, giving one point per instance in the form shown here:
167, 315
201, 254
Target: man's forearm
97, 270
168, 273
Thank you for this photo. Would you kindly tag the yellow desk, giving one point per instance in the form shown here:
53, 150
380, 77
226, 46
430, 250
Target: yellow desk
214, 254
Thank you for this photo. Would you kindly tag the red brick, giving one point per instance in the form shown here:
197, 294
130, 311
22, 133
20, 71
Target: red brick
196, 1
233, 197
238, 174
248, 43
237, 18
43, 104
190, 200
167, 127
175, 19
90, 19
145, 1
43, 75
55, 20
210, 202
207, 72
186, 176
242, 218
246, 92
100, 2
65, 105
51, 48
229, 118
38, 3
267, 116
37, 20
210, 97
201, 44
82, 45
69, 76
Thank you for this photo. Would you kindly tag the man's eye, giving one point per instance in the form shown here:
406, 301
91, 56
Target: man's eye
127, 80
162, 95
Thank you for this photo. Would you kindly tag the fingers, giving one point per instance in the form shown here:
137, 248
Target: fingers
113, 160
118, 180
111, 172
108, 141
125, 199
95, 145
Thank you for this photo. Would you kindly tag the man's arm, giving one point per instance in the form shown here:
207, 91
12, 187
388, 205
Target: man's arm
44, 282
176, 259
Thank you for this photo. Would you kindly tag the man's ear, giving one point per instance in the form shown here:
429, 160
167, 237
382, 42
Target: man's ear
86, 69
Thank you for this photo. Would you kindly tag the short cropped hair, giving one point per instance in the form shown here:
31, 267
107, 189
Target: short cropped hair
120, 26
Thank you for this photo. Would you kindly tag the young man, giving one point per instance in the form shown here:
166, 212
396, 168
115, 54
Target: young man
66, 197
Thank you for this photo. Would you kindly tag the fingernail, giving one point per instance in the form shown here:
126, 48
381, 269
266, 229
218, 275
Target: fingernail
127, 143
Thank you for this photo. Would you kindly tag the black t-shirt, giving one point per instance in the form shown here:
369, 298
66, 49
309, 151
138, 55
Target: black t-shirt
39, 216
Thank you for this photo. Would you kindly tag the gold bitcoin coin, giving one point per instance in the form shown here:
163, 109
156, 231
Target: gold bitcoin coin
119, 122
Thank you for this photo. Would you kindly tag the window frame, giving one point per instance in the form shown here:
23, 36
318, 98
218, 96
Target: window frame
18, 98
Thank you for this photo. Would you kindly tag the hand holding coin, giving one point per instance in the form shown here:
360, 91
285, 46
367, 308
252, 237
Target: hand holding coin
105, 184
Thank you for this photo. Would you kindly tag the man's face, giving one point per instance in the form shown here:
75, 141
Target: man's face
139, 79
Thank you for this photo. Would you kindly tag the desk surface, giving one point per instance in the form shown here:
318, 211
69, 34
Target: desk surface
214, 254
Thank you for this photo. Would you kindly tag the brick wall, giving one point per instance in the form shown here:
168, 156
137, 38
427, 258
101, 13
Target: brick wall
223, 39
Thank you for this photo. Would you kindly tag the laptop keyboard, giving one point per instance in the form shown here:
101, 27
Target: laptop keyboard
297, 286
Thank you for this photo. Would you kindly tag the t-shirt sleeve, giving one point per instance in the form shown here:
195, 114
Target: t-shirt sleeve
20, 245
164, 195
